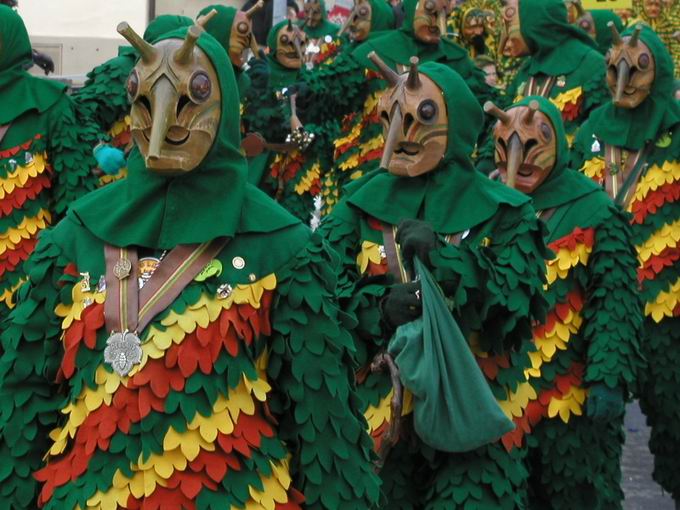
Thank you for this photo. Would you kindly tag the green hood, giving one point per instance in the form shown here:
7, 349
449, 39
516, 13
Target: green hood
398, 46
154, 211
279, 76
324, 29
21, 92
382, 16
657, 114
563, 185
454, 197
556, 46
603, 34
164, 24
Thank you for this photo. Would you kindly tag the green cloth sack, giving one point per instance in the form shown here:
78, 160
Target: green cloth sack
454, 409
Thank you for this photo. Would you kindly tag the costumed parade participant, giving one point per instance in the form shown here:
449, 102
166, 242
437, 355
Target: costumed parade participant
103, 100
315, 23
562, 62
233, 29
484, 246
45, 155
596, 23
587, 355
357, 86
198, 370
475, 28
664, 18
631, 145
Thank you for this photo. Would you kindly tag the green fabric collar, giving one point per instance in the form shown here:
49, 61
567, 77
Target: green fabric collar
563, 185
398, 46
21, 92
279, 76
556, 46
454, 197
153, 211
631, 129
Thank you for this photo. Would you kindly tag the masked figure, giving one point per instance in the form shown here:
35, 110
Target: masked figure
233, 29
45, 155
664, 18
562, 61
164, 365
631, 146
431, 192
582, 368
103, 101
596, 23
315, 23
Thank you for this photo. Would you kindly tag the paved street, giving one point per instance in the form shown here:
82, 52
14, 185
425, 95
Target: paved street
642, 493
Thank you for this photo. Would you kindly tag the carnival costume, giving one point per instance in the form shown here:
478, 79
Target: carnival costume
587, 356
225, 381
485, 248
631, 145
45, 155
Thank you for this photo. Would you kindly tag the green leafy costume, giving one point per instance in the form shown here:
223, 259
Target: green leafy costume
564, 64
493, 278
324, 29
654, 201
665, 25
242, 398
587, 350
45, 155
103, 99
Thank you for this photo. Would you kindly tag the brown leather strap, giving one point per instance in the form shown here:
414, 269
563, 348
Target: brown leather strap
455, 239
129, 309
392, 254
546, 214
3, 130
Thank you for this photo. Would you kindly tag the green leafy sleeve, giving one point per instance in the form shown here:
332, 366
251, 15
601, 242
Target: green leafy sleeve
28, 367
495, 278
311, 363
70, 147
613, 313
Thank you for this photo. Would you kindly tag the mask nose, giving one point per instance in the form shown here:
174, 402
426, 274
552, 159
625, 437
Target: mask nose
163, 103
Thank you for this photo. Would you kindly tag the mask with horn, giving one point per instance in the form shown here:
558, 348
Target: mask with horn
429, 20
313, 13
415, 121
241, 38
176, 101
473, 26
512, 41
358, 23
526, 145
630, 69
290, 44
584, 20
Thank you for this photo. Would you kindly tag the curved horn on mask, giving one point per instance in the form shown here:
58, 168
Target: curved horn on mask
622, 76
184, 53
205, 19
391, 138
515, 155
495, 111
616, 37
413, 80
146, 50
533, 108
385, 71
347, 22
258, 6
635, 37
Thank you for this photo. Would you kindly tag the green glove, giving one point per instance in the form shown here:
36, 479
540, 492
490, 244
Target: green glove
401, 304
258, 72
604, 403
416, 238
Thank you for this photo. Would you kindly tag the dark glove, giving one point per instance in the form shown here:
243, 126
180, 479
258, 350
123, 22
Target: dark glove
401, 304
416, 237
43, 61
258, 71
604, 403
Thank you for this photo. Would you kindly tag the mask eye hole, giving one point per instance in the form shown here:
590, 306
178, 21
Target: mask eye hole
427, 111
509, 13
585, 25
363, 11
133, 86
546, 132
643, 61
385, 117
430, 6
242, 27
285, 39
200, 87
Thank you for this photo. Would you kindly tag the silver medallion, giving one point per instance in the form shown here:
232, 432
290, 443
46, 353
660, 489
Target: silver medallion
122, 268
123, 351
